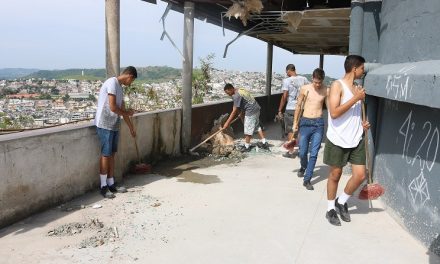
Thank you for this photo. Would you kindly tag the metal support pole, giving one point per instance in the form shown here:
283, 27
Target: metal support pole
112, 37
187, 68
269, 69
321, 61
269, 62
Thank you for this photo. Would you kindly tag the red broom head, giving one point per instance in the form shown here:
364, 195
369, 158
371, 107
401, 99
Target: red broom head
289, 144
371, 191
141, 168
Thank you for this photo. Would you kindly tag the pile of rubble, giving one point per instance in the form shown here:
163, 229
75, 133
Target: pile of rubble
222, 144
102, 236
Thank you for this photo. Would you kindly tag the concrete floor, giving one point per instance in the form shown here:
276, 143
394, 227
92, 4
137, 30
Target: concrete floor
255, 211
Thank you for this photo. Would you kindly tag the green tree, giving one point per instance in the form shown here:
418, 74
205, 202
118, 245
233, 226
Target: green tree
54, 91
202, 78
92, 98
45, 97
66, 98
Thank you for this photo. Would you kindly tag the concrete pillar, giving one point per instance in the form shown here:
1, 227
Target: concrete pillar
269, 69
187, 68
356, 27
321, 61
112, 37
269, 62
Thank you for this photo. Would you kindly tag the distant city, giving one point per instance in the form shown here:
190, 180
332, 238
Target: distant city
28, 103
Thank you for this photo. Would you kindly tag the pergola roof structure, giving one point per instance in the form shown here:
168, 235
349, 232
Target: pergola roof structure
300, 26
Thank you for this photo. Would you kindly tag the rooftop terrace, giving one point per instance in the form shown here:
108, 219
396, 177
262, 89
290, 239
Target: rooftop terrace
206, 211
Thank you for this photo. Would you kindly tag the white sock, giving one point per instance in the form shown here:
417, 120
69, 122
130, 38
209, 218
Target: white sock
110, 181
247, 145
331, 205
103, 178
343, 198
263, 140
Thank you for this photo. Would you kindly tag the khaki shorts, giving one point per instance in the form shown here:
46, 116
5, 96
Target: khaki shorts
338, 157
251, 124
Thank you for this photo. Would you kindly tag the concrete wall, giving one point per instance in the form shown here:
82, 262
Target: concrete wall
402, 37
204, 115
42, 168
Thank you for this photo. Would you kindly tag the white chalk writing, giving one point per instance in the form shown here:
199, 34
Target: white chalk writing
424, 149
427, 150
419, 189
398, 84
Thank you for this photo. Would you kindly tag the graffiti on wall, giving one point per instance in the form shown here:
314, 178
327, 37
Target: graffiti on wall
421, 153
398, 84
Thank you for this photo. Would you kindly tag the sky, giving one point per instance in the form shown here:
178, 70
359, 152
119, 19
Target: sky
54, 34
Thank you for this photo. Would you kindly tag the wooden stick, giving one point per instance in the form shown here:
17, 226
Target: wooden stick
211, 136
367, 152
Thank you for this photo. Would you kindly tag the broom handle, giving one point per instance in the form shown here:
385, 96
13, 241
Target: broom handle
134, 138
367, 152
301, 111
211, 136
137, 150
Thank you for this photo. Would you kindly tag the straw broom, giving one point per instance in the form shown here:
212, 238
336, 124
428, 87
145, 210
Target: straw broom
370, 191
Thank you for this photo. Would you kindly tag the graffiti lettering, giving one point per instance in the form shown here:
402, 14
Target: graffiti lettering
430, 142
398, 84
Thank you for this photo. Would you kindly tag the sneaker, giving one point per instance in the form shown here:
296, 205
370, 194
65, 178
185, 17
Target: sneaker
308, 185
263, 145
120, 189
106, 192
243, 149
289, 155
343, 211
301, 172
333, 218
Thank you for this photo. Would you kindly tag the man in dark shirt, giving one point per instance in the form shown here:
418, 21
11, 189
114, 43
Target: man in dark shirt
247, 106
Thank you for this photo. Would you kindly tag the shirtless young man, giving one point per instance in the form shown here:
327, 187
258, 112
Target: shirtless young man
311, 124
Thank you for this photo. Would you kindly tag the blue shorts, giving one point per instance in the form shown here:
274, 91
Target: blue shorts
109, 141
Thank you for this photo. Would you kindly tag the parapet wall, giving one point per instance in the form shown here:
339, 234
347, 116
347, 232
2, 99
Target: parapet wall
42, 168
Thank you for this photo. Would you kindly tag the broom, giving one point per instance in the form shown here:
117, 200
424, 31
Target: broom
139, 168
370, 191
290, 144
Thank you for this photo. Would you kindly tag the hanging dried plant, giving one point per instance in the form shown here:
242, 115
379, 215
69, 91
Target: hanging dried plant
243, 9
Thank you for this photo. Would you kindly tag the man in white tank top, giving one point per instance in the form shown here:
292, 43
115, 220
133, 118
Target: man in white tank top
344, 138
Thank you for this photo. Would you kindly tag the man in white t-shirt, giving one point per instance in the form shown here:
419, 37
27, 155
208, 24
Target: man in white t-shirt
291, 86
107, 121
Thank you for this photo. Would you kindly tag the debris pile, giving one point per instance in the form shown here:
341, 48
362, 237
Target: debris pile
71, 229
222, 144
101, 237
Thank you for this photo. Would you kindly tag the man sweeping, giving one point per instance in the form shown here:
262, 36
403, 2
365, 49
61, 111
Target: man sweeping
344, 138
245, 104
107, 120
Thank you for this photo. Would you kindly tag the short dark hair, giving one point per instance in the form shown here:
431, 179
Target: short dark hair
228, 86
290, 67
319, 74
130, 70
353, 61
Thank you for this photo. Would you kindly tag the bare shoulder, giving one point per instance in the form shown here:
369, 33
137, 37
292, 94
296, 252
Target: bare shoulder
335, 88
306, 87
